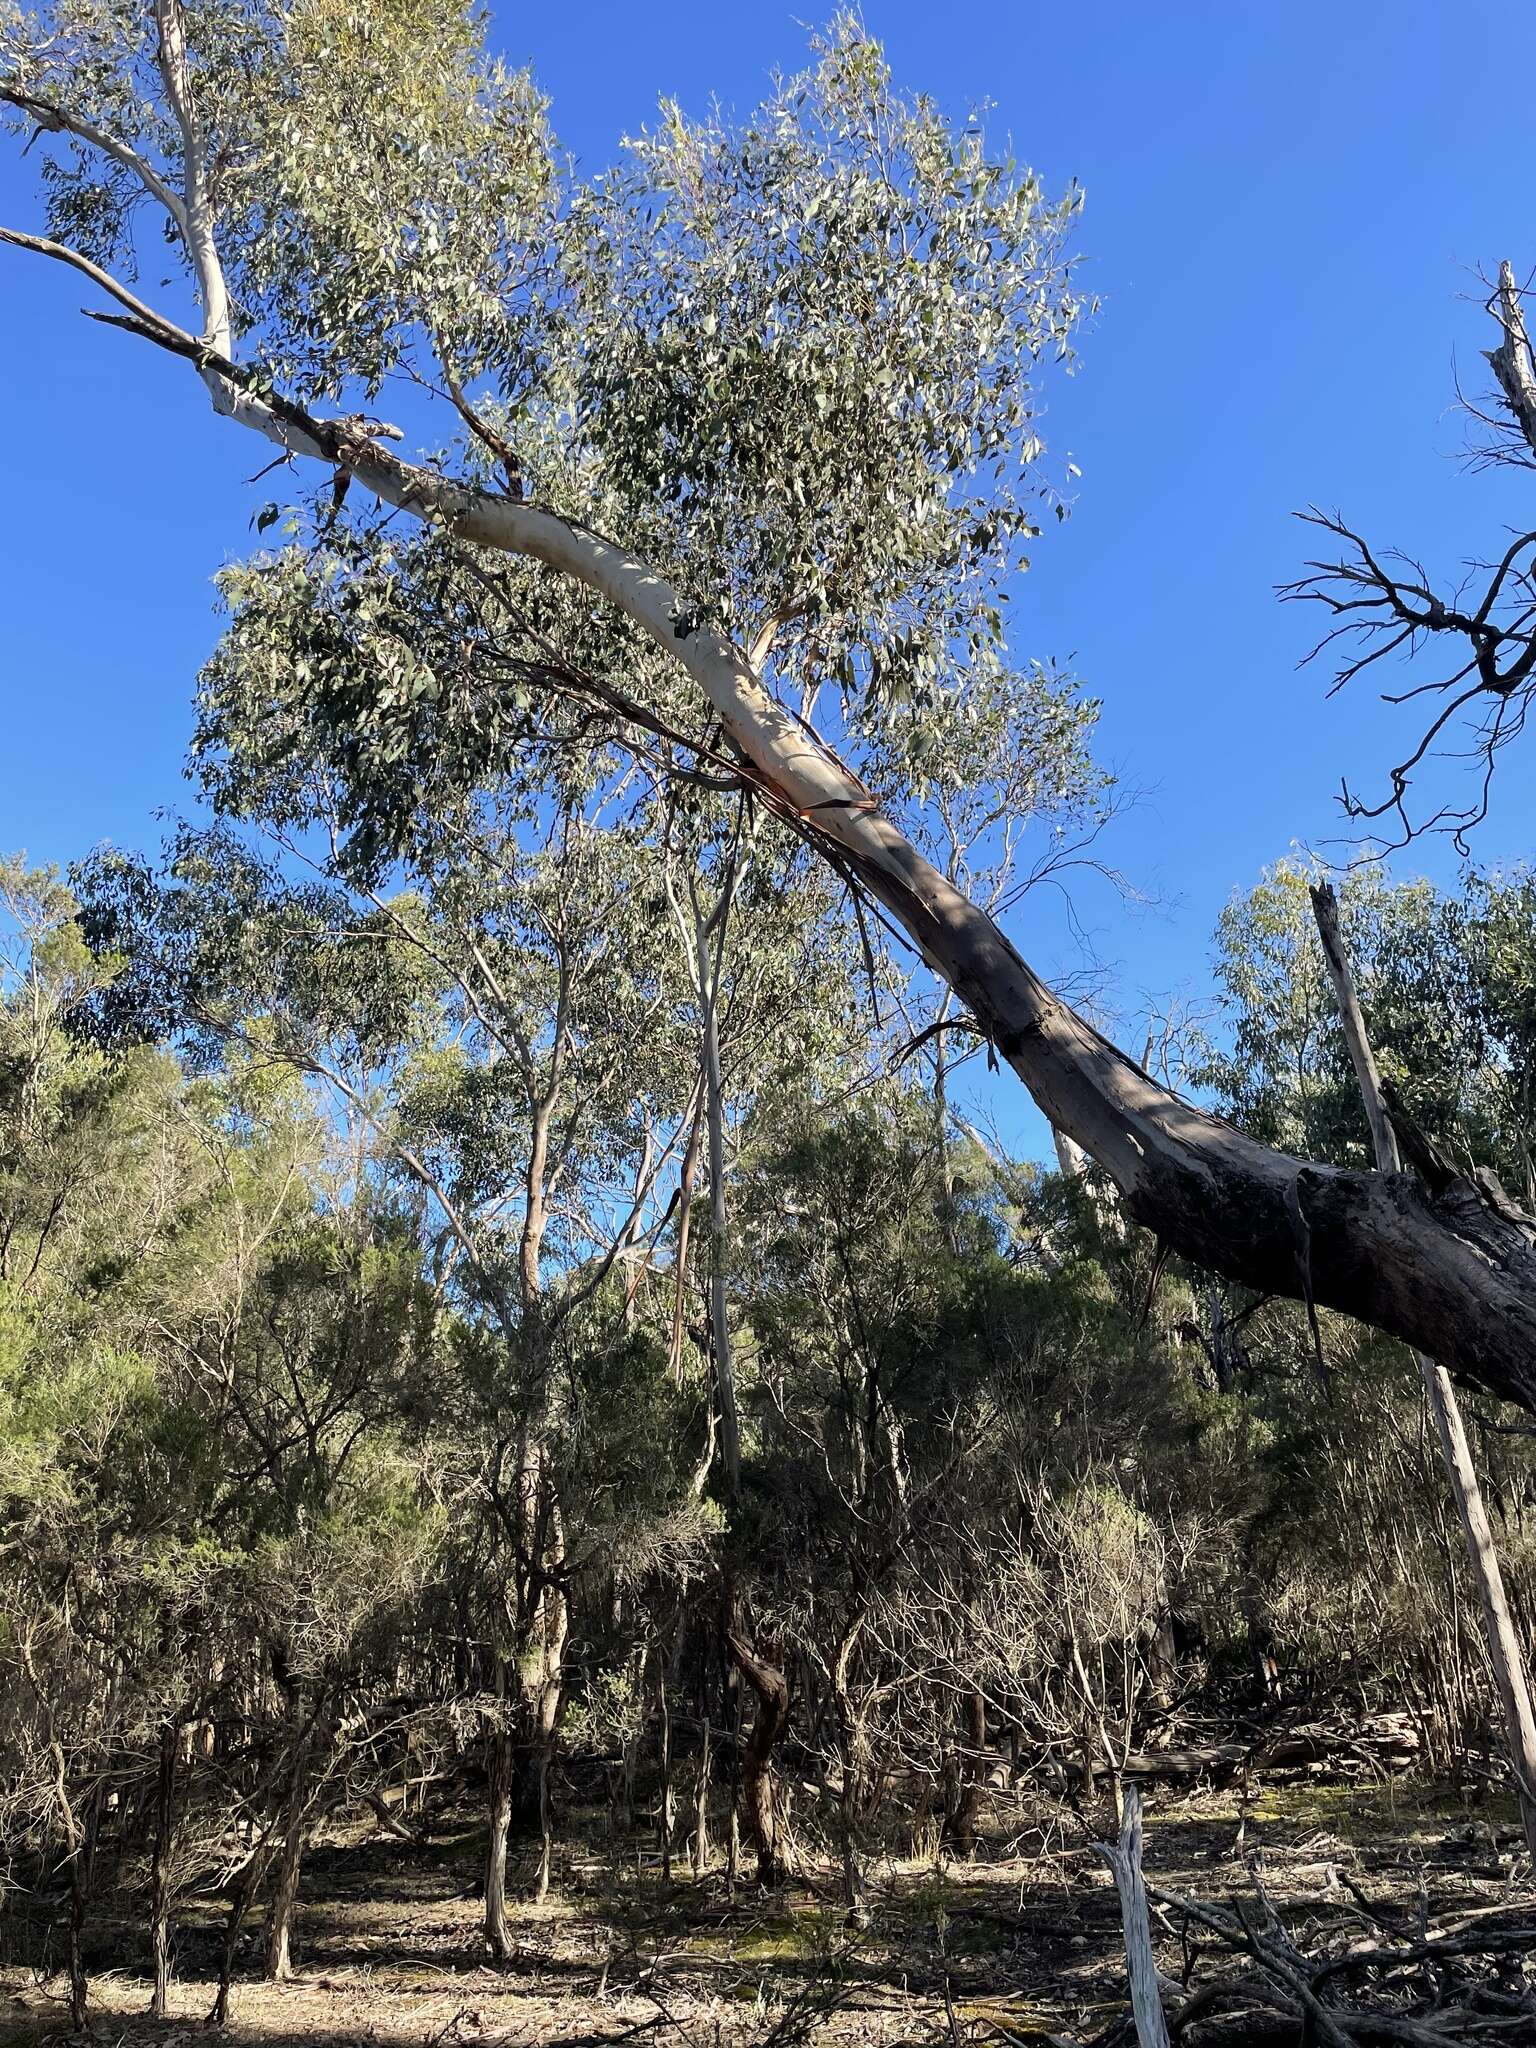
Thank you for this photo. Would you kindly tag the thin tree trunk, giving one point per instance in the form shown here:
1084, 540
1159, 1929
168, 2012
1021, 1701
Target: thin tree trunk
965, 1791
80, 1843
686, 1182
719, 1243
546, 1823
285, 1892
307, 1738
250, 1883
1504, 1649
542, 1610
548, 1668
701, 1846
498, 1930
704, 941
664, 1818
850, 1754
160, 1870
732, 1702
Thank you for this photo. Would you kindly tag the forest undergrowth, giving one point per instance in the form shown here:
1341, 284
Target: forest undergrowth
1021, 1942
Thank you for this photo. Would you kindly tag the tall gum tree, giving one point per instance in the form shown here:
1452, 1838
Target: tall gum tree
769, 394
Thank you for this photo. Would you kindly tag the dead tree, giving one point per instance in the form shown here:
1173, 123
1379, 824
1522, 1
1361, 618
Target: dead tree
1124, 1859
1383, 603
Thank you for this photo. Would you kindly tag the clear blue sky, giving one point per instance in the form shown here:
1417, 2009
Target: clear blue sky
1286, 209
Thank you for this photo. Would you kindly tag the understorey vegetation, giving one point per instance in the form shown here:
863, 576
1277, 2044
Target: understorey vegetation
334, 1511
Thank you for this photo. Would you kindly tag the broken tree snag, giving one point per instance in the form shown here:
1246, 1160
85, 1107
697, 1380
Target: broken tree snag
1502, 1639
1124, 1859
1325, 909
1512, 361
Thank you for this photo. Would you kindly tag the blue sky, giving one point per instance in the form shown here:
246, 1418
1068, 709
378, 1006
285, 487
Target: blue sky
1286, 211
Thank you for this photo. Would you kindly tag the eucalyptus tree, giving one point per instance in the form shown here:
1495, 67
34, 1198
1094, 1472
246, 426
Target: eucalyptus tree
768, 397
503, 1030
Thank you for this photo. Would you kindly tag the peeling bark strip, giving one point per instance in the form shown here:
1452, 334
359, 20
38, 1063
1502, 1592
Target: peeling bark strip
1452, 1273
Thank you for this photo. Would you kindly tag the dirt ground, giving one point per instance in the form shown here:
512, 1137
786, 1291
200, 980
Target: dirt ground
1024, 1946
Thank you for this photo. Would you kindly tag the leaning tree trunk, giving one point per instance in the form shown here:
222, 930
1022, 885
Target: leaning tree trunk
1124, 1859
250, 1883
1504, 1649
1453, 1272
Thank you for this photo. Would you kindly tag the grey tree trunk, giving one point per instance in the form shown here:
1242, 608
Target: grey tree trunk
700, 1853
160, 1870
704, 942
285, 1893
1124, 1859
719, 1242
498, 1929
664, 1816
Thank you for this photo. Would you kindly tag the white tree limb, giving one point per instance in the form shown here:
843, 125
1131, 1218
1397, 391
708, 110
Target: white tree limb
58, 120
